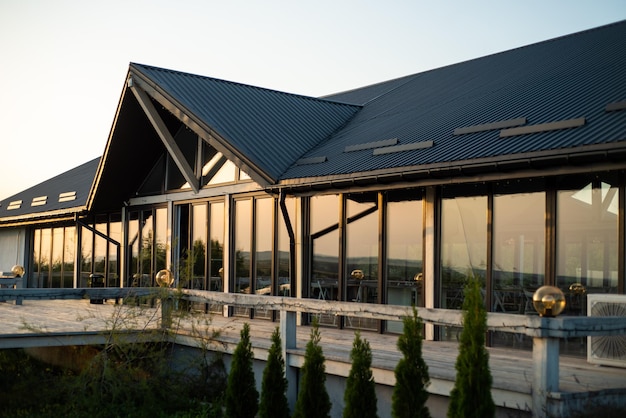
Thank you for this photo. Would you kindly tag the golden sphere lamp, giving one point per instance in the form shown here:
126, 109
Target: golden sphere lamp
549, 301
164, 278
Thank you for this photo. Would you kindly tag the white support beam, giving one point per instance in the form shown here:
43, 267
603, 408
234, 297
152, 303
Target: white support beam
166, 137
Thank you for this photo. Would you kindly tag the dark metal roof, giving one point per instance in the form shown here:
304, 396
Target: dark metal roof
61, 195
571, 77
270, 128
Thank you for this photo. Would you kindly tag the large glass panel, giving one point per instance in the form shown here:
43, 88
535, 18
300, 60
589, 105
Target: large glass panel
57, 257
69, 252
86, 252
518, 250
115, 233
243, 239
404, 238
133, 249
463, 249
284, 276
45, 260
197, 255
587, 241
263, 243
147, 247
160, 240
324, 223
37, 278
100, 247
216, 231
362, 253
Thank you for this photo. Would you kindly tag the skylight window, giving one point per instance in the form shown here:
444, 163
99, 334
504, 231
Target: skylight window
67, 196
16, 204
39, 201
404, 147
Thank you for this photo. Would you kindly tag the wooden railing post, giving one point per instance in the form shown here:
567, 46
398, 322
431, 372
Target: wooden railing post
167, 307
288, 339
545, 373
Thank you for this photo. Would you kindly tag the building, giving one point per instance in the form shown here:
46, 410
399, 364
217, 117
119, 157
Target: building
509, 167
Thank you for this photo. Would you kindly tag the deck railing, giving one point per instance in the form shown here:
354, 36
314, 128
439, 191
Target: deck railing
545, 332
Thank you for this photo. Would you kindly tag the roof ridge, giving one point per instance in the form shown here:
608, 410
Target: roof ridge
235, 83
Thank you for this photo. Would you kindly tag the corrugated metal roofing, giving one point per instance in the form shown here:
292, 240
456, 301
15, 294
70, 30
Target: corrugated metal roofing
270, 128
570, 77
66, 192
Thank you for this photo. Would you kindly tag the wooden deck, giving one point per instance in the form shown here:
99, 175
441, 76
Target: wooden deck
75, 322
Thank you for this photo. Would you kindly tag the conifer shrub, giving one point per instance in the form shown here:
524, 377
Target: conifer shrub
313, 400
360, 395
274, 385
409, 394
242, 397
471, 395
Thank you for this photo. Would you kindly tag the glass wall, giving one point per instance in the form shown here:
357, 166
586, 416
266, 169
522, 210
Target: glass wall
54, 253
404, 248
361, 273
587, 249
147, 245
518, 250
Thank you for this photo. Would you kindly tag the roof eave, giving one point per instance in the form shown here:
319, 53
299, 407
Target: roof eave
575, 160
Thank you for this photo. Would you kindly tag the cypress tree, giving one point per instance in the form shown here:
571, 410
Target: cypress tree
274, 386
313, 400
360, 395
241, 395
471, 395
409, 394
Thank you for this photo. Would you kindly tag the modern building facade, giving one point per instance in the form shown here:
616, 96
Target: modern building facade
509, 167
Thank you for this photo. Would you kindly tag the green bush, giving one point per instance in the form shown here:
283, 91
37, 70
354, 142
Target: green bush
471, 395
242, 398
409, 394
274, 386
313, 400
360, 395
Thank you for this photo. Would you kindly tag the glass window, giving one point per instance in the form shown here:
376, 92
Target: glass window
587, 241
197, 256
115, 233
463, 249
324, 224
284, 276
263, 243
216, 231
362, 253
160, 240
243, 218
57, 257
404, 239
86, 252
69, 253
518, 250
133, 244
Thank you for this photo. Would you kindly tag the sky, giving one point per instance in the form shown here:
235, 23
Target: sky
63, 63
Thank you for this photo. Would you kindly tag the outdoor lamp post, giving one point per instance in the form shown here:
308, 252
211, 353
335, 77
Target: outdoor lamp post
549, 301
164, 278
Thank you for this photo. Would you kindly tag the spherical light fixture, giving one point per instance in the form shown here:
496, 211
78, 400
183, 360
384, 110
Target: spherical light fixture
357, 274
17, 270
549, 301
164, 278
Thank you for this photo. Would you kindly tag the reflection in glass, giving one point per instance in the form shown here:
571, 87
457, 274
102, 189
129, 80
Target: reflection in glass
463, 248
362, 254
518, 250
160, 240
69, 251
196, 258
324, 223
86, 251
284, 276
264, 239
404, 238
133, 245
243, 239
587, 242
115, 233
37, 276
57, 257
216, 232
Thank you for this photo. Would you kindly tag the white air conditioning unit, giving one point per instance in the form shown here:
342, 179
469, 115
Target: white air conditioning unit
608, 350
